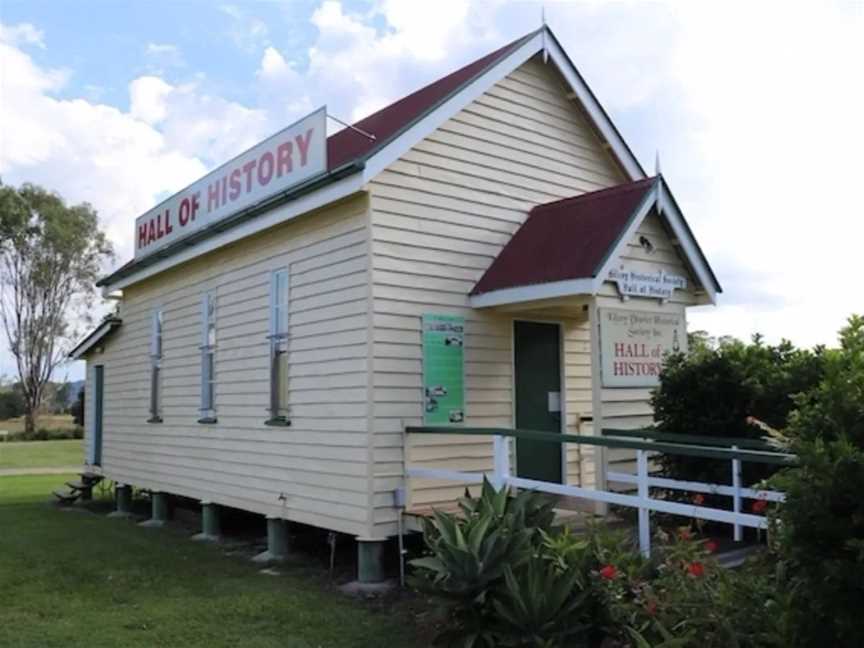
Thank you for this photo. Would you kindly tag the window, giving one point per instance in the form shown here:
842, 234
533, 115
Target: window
278, 348
208, 359
156, 367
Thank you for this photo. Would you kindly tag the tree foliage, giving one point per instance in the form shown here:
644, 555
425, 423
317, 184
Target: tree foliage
821, 525
716, 386
51, 254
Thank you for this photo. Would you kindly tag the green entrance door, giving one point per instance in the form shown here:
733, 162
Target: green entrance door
537, 359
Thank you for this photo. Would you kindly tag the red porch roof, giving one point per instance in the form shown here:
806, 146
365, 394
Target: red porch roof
566, 239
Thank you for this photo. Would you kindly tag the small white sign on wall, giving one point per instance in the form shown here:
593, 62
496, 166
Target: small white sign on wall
634, 343
637, 283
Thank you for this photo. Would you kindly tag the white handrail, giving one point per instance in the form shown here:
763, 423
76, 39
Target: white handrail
501, 477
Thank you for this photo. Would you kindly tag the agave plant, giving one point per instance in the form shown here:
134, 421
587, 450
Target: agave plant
476, 557
541, 606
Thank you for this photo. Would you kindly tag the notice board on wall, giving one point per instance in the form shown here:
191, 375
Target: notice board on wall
633, 345
443, 369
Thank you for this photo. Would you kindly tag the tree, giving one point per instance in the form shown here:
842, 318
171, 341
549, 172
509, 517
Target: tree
820, 529
715, 387
50, 257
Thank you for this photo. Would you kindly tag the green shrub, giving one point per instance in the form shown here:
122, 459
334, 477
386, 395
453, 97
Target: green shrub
506, 577
682, 597
50, 434
713, 390
820, 528
497, 585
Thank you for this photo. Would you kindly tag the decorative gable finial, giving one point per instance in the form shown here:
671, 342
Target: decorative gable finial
543, 28
657, 163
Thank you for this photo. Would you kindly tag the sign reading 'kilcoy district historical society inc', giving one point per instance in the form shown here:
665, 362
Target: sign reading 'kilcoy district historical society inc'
635, 283
295, 154
633, 343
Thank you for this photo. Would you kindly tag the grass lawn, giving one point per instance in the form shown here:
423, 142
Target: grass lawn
79, 579
41, 454
49, 421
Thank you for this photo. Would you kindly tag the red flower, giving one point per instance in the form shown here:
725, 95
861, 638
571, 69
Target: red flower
684, 533
696, 569
608, 572
711, 546
651, 608
760, 505
698, 499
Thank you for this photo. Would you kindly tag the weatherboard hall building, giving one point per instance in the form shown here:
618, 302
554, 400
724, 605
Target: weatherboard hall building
484, 252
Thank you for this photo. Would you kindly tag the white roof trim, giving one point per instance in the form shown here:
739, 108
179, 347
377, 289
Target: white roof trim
595, 111
685, 238
314, 200
93, 339
457, 102
669, 211
533, 292
450, 108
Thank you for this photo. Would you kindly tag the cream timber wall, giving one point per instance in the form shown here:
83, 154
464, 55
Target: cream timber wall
629, 408
320, 463
440, 215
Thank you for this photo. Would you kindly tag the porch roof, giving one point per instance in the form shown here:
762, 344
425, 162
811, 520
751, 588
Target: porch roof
565, 247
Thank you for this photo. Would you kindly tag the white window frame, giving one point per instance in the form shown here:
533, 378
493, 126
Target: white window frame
278, 341
208, 358
157, 333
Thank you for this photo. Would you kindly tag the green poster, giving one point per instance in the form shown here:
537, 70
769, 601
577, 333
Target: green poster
443, 370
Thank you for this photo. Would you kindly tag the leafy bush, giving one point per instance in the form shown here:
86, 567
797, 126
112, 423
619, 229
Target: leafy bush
498, 579
820, 530
50, 434
506, 577
682, 597
712, 390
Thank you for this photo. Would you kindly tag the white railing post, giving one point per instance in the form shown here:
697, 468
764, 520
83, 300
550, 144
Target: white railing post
502, 462
644, 512
736, 497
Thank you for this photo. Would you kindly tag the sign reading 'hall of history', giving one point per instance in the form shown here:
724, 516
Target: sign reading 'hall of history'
634, 343
288, 158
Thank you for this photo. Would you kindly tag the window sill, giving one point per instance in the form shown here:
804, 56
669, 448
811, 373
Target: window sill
280, 421
208, 420
154, 419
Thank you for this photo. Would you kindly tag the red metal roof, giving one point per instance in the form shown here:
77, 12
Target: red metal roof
347, 145
565, 239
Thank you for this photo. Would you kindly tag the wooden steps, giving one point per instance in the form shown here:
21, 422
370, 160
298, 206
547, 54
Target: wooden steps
82, 489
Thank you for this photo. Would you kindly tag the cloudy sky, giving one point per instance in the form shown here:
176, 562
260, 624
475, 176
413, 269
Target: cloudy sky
756, 109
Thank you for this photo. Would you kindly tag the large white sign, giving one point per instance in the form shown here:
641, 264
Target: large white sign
295, 154
636, 283
633, 344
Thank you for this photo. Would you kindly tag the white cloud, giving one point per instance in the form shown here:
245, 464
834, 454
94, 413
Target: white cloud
164, 55
22, 34
148, 96
247, 32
